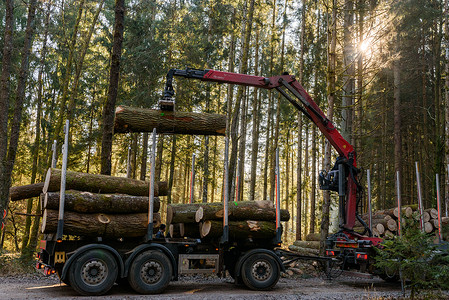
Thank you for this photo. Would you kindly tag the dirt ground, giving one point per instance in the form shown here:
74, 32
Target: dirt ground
36, 286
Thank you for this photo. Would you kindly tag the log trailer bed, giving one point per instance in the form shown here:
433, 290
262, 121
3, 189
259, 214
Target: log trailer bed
91, 265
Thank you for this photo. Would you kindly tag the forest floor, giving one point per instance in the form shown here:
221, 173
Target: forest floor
36, 286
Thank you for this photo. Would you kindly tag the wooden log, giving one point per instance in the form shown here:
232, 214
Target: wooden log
432, 212
307, 244
28, 191
376, 232
130, 119
405, 212
99, 225
86, 202
428, 227
380, 228
103, 184
426, 216
388, 218
182, 213
388, 234
392, 225
313, 237
240, 211
176, 230
240, 229
304, 251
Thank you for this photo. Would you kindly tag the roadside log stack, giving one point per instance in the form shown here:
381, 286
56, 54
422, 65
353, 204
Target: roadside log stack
311, 246
247, 219
99, 205
385, 222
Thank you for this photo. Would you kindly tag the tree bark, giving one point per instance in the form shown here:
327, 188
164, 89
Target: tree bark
108, 109
243, 210
130, 119
307, 244
86, 202
240, 229
95, 183
182, 213
100, 225
28, 191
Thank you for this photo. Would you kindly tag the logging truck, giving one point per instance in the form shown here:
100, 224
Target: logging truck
91, 263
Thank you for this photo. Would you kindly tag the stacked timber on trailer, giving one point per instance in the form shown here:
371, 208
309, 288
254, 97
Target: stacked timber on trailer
385, 222
247, 219
95, 205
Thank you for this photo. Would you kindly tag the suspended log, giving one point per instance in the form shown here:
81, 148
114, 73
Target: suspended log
28, 191
103, 184
99, 225
240, 229
130, 119
304, 251
182, 213
392, 225
307, 244
241, 210
313, 237
86, 202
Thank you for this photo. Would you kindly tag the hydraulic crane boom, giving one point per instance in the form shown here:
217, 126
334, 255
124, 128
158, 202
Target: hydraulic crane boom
301, 100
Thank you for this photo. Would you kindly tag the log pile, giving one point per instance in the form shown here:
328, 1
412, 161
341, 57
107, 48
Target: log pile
247, 219
385, 222
311, 246
99, 205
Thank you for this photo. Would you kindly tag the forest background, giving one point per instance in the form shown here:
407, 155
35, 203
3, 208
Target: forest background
378, 69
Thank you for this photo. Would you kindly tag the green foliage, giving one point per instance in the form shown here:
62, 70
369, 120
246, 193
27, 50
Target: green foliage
416, 258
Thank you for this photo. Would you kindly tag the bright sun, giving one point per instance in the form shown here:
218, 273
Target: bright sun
365, 45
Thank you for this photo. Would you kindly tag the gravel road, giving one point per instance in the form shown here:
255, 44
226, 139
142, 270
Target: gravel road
38, 287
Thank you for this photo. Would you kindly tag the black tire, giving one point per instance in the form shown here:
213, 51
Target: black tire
93, 273
150, 272
260, 271
389, 275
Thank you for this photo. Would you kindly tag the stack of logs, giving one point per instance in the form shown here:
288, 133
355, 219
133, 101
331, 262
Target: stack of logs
385, 222
309, 247
95, 205
247, 219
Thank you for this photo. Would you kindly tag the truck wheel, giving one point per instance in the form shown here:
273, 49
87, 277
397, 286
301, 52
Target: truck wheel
150, 272
93, 273
260, 272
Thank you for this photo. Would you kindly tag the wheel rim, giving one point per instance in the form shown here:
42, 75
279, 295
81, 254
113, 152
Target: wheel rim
151, 272
261, 270
94, 272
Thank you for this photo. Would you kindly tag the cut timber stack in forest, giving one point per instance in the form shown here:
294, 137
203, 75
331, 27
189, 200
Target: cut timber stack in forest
310, 246
99, 205
385, 222
131, 119
247, 219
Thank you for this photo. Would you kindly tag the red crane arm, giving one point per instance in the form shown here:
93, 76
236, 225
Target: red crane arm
287, 86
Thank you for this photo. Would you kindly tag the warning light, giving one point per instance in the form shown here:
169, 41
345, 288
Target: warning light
4, 213
330, 253
362, 256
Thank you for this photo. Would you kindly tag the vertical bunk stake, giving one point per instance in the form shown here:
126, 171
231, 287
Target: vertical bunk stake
65, 151
398, 191
278, 200
440, 236
370, 210
420, 205
225, 236
149, 236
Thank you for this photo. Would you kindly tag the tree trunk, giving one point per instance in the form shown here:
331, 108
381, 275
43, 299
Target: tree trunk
307, 244
172, 170
5, 85
244, 210
240, 229
130, 119
446, 106
143, 165
100, 225
86, 202
95, 183
397, 115
108, 109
